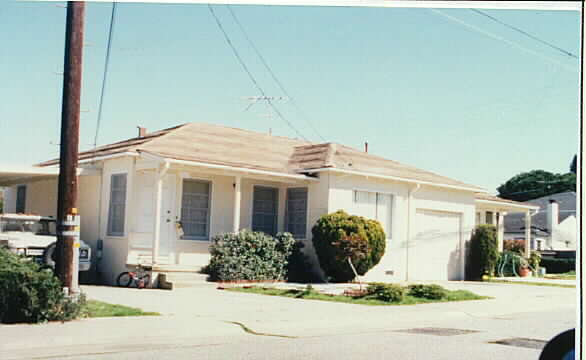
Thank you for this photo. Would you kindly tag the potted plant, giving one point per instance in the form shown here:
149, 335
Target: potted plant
523, 269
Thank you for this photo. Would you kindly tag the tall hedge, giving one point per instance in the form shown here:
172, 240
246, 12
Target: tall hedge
249, 255
338, 235
482, 252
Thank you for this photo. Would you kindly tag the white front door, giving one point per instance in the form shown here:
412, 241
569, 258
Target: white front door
168, 234
145, 213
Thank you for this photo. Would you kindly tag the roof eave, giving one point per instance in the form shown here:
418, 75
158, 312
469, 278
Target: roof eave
395, 178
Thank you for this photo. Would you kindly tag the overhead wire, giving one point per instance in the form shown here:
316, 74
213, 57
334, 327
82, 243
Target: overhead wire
500, 38
272, 73
521, 31
105, 73
251, 76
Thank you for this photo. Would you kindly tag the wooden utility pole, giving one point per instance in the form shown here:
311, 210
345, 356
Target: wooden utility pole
67, 192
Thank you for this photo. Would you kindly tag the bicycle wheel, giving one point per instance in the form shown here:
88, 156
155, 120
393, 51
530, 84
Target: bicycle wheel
124, 279
145, 281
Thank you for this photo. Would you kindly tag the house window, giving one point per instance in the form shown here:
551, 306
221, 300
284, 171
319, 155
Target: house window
264, 210
195, 209
374, 205
296, 212
117, 208
20, 199
489, 215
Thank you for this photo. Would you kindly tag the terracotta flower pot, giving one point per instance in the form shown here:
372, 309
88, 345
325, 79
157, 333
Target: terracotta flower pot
524, 272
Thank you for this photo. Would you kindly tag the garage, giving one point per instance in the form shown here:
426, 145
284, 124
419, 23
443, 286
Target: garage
435, 252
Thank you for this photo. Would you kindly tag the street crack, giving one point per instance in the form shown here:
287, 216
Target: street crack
252, 332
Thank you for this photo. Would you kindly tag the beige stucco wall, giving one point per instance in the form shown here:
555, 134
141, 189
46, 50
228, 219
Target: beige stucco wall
115, 249
394, 264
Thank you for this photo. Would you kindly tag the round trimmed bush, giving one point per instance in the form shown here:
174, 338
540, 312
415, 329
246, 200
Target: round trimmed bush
249, 255
432, 292
386, 292
339, 236
482, 253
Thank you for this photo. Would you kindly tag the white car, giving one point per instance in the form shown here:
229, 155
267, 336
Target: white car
35, 236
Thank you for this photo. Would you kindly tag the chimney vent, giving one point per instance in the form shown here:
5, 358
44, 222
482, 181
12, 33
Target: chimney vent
141, 132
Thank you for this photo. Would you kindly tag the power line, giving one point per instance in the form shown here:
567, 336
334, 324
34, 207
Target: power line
104, 78
563, 51
252, 78
266, 65
496, 37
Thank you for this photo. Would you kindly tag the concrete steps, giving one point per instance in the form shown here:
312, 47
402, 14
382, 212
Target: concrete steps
175, 277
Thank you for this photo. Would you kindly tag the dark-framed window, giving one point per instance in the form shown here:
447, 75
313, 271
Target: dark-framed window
195, 209
296, 212
20, 199
117, 208
265, 209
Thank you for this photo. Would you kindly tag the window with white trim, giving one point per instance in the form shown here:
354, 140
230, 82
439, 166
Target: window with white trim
265, 209
375, 205
20, 199
195, 209
117, 208
296, 212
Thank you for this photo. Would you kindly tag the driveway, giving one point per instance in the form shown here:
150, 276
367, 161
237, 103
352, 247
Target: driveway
213, 324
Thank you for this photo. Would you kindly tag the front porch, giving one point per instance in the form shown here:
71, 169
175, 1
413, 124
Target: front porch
492, 210
176, 207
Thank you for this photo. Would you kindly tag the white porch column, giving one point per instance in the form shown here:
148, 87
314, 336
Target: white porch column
500, 231
527, 233
158, 201
237, 197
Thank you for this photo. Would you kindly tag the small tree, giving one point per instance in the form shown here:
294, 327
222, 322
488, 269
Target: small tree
482, 252
340, 240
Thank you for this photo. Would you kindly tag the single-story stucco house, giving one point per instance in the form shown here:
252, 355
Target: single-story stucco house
554, 226
162, 196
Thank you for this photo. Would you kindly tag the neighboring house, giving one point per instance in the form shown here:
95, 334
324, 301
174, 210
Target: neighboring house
162, 196
554, 226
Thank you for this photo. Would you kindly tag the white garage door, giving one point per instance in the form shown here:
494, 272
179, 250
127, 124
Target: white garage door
435, 252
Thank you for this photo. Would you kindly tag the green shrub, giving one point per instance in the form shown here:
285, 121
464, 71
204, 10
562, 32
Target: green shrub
248, 255
339, 236
385, 292
482, 252
432, 292
534, 260
30, 295
508, 263
558, 266
299, 268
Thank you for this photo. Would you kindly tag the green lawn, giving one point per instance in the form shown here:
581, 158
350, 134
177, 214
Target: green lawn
534, 283
571, 275
452, 295
94, 308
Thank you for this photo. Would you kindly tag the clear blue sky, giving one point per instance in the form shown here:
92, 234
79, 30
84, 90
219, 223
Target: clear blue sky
420, 88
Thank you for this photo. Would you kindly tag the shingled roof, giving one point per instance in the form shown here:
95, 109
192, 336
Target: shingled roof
216, 144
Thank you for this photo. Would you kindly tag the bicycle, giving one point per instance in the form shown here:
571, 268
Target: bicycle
141, 278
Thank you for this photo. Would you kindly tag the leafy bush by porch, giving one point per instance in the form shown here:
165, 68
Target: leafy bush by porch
248, 255
339, 236
482, 253
30, 295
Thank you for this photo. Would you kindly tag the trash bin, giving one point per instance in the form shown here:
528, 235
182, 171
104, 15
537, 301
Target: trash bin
542, 271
